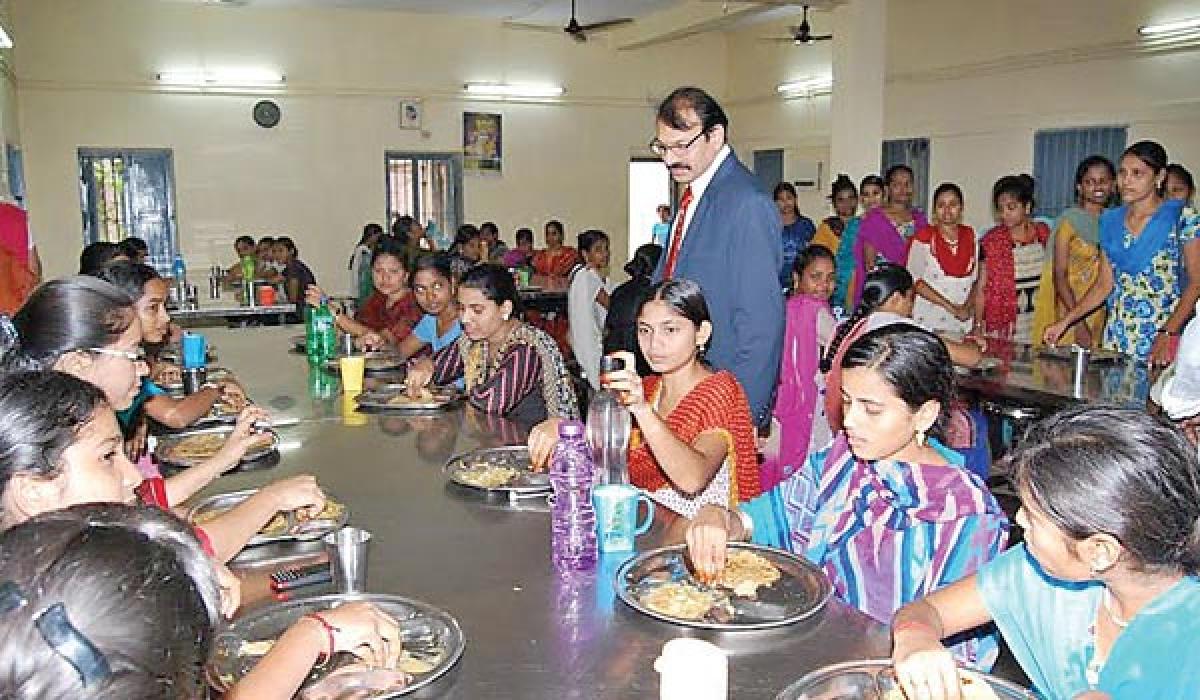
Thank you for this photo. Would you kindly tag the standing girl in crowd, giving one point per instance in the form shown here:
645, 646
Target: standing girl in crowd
510, 368
296, 275
1012, 255
89, 329
360, 262
1103, 594
620, 325
798, 229
942, 259
871, 195
886, 510
800, 398
390, 312
1149, 249
1075, 246
845, 206
587, 304
554, 264
693, 442
1179, 184
555, 260
884, 232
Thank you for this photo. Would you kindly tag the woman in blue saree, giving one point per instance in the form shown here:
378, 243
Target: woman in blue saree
1103, 595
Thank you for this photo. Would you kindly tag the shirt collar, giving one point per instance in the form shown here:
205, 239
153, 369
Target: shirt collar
701, 183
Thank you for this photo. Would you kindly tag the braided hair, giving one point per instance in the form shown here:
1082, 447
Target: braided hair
882, 282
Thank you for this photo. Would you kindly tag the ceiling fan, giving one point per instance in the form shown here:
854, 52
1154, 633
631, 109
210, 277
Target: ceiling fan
802, 33
574, 28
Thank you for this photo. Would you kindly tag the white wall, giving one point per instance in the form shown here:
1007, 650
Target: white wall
85, 72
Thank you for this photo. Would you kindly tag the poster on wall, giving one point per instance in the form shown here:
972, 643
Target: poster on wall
483, 147
410, 114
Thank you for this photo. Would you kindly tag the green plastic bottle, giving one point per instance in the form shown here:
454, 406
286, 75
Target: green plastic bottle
320, 334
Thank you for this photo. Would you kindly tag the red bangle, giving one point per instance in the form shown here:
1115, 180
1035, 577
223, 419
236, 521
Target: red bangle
914, 624
328, 632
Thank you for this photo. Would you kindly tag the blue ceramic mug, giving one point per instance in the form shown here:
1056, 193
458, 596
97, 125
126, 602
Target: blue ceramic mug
617, 516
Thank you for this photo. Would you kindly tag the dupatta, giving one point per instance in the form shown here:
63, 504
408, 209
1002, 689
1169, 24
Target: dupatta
1137, 256
797, 395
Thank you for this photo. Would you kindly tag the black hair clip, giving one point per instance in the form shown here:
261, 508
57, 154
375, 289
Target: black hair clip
69, 643
11, 597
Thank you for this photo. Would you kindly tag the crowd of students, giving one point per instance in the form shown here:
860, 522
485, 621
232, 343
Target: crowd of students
864, 471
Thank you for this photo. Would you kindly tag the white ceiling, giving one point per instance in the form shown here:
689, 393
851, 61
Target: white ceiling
551, 12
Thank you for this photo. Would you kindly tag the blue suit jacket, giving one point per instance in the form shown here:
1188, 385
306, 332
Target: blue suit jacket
733, 250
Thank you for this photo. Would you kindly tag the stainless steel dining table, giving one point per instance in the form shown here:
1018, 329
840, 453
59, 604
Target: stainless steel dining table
531, 633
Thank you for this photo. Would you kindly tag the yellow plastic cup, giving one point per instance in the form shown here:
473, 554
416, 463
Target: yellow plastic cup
350, 414
353, 368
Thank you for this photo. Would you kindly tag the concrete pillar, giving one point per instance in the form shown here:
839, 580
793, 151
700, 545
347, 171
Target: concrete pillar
856, 109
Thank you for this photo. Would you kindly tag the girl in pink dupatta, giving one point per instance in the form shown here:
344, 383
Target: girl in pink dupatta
799, 403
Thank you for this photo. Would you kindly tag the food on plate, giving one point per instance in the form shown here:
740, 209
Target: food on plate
679, 599
746, 571
403, 399
256, 648
196, 448
382, 363
487, 476
276, 526
332, 511
972, 686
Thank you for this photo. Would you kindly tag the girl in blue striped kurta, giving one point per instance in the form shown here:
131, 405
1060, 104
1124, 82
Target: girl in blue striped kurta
887, 511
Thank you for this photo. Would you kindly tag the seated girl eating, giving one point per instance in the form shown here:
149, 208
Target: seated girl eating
694, 440
149, 293
510, 368
1103, 595
390, 312
114, 601
885, 510
87, 328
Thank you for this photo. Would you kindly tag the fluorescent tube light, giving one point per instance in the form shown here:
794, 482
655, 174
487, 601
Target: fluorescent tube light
6, 41
515, 90
1176, 27
807, 87
240, 77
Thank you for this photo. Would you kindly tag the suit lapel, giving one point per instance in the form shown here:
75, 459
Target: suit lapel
702, 222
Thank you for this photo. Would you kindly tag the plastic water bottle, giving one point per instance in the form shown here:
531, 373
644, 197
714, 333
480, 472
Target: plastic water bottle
320, 334
572, 517
608, 426
178, 269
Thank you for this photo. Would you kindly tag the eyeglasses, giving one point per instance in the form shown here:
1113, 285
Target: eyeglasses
660, 149
139, 356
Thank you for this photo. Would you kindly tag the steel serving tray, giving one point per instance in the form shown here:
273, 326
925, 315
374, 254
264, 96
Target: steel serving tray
1097, 357
296, 529
459, 469
427, 633
166, 443
382, 399
800, 593
874, 680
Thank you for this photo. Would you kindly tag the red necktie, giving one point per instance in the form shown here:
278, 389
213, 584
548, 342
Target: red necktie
677, 234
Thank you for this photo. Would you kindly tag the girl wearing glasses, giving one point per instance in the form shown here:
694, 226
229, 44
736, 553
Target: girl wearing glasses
149, 292
88, 328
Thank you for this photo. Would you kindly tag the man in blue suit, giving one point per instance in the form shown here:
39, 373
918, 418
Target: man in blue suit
725, 237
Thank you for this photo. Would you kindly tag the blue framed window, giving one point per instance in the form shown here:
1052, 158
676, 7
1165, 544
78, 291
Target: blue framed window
1056, 154
130, 192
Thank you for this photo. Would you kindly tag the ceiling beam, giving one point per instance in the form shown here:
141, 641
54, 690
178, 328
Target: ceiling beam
685, 20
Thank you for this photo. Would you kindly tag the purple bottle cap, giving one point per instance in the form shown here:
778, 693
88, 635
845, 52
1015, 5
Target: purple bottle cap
570, 429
